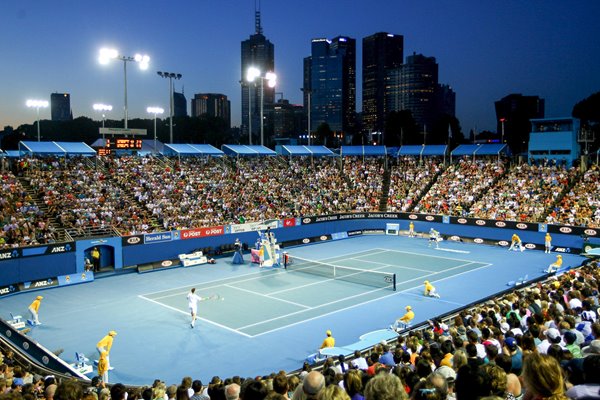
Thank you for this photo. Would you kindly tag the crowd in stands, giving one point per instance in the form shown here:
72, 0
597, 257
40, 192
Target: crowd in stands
539, 342
22, 222
409, 177
525, 193
581, 205
146, 194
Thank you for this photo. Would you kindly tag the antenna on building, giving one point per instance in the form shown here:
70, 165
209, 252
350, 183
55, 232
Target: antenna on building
257, 25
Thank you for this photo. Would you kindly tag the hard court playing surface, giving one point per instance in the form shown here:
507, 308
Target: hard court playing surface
269, 319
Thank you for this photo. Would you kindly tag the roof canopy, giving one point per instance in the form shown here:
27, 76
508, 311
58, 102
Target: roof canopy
293, 150
480, 149
243, 150
191, 150
423, 150
60, 148
362, 151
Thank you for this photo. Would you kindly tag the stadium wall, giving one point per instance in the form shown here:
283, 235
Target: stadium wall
18, 266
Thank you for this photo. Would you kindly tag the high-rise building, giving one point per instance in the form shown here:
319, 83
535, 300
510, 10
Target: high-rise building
60, 107
414, 86
179, 105
258, 52
513, 115
287, 119
330, 79
212, 104
381, 52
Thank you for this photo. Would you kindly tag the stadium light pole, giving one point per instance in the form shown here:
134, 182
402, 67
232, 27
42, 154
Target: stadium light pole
271, 78
170, 76
308, 97
37, 104
109, 54
155, 111
102, 108
502, 122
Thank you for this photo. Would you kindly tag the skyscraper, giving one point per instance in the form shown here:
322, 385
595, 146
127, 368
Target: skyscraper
414, 87
258, 52
179, 105
381, 52
330, 73
513, 113
60, 107
213, 104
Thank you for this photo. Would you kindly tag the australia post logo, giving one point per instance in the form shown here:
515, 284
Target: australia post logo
202, 232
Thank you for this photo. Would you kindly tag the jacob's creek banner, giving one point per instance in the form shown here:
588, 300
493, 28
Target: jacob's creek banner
253, 226
346, 217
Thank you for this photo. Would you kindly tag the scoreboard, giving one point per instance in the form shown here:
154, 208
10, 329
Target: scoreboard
123, 144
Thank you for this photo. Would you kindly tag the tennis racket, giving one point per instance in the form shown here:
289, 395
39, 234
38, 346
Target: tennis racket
215, 296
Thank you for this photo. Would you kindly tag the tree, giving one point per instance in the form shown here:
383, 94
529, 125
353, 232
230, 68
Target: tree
400, 128
324, 134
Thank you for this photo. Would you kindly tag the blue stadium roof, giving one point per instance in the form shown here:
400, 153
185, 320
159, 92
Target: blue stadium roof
423, 150
480, 149
362, 151
63, 148
243, 150
294, 150
191, 149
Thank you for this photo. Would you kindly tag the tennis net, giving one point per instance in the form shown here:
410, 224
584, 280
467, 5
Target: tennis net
348, 274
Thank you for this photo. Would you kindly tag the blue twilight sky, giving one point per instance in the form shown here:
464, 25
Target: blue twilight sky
485, 49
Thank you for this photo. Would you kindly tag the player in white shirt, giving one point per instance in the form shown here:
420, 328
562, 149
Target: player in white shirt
193, 300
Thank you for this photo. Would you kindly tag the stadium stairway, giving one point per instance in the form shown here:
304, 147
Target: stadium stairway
385, 190
39, 202
427, 188
578, 178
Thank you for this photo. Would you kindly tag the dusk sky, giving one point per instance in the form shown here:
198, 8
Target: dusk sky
485, 49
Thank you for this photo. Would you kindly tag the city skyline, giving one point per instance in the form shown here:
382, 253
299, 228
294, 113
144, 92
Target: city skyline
484, 51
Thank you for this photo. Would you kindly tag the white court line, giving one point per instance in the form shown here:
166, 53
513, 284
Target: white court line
200, 318
267, 296
347, 298
392, 265
216, 281
312, 308
207, 282
369, 301
426, 255
437, 300
453, 250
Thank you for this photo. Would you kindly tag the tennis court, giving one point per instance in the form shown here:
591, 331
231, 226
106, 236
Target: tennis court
270, 319
310, 289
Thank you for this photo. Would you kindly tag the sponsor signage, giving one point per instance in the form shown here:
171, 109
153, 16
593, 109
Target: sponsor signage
201, 232
355, 233
373, 231
254, 226
492, 223
39, 284
132, 240
158, 237
574, 230
73, 279
10, 254
122, 131
60, 248
289, 222
10, 289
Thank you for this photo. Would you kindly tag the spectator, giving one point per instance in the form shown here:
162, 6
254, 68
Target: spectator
543, 378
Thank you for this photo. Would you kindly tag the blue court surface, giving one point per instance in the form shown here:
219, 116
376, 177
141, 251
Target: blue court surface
268, 319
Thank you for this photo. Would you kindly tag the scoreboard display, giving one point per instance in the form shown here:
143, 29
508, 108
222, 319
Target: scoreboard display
123, 144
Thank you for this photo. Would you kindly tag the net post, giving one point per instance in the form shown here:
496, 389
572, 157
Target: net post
286, 258
394, 282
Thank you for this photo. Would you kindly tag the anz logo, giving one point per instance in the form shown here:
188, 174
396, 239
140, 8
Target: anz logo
389, 279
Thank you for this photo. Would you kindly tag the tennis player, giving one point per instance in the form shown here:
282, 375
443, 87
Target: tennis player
515, 242
548, 243
434, 237
193, 300
555, 266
